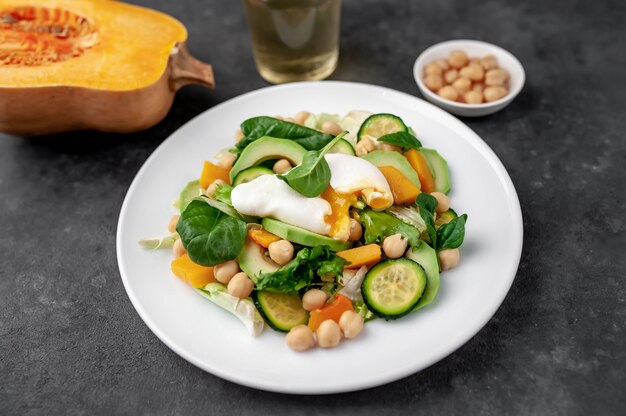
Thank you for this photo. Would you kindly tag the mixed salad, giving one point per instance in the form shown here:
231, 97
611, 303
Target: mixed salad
316, 224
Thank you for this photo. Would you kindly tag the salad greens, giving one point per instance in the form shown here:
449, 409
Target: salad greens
403, 139
189, 192
243, 309
311, 177
379, 225
166, 241
451, 235
427, 205
299, 273
257, 127
210, 236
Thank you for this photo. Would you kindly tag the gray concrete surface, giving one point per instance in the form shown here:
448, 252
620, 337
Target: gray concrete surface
71, 342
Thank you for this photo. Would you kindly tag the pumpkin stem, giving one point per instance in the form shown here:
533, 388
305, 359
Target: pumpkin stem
188, 70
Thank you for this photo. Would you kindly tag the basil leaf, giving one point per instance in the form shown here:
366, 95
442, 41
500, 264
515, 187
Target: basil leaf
257, 127
451, 235
300, 272
311, 177
403, 139
210, 236
379, 225
427, 204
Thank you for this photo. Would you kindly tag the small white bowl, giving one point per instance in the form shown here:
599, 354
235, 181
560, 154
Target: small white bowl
473, 48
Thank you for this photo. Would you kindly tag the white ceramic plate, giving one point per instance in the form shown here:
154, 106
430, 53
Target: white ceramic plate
215, 341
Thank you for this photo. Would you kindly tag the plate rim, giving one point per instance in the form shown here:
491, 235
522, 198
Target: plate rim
475, 139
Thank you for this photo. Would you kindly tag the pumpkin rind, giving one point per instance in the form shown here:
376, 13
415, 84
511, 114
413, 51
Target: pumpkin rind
124, 81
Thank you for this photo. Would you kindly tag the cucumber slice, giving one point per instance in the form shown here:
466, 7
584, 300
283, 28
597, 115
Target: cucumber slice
342, 146
445, 217
254, 172
280, 310
393, 287
378, 125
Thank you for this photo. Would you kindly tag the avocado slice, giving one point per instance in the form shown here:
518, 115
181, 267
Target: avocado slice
267, 148
390, 158
253, 261
426, 256
249, 174
439, 168
301, 236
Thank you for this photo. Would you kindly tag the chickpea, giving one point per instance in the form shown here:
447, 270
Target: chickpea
301, 117
356, 230
240, 285
432, 69
331, 127
390, 147
300, 338
478, 87
457, 59
238, 136
281, 252
449, 93
443, 64
443, 203
449, 258
433, 82
351, 324
314, 299
210, 190
328, 334
364, 146
227, 160
394, 246
281, 166
473, 97
494, 93
489, 62
451, 75
290, 119
473, 72
225, 271
496, 76
171, 226
462, 84
178, 249
474, 60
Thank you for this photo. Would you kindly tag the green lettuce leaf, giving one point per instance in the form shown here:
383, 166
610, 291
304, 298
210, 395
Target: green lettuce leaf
379, 225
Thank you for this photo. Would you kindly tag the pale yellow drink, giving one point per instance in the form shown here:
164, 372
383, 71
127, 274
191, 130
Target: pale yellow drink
294, 40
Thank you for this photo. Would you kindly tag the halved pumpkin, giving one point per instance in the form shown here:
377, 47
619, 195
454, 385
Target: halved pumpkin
90, 64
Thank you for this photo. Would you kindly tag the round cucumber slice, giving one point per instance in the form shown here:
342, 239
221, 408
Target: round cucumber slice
342, 146
393, 287
378, 125
280, 310
254, 172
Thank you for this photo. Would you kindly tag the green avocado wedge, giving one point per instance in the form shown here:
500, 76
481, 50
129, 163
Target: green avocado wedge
426, 256
301, 236
253, 261
390, 158
267, 148
439, 168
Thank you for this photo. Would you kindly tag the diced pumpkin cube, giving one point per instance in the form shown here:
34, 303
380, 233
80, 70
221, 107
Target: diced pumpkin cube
418, 162
262, 237
332, 310
361, 256
403, 190
212, 172
196, 275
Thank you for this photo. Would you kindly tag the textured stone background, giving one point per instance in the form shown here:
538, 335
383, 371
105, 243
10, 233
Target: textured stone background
71, 342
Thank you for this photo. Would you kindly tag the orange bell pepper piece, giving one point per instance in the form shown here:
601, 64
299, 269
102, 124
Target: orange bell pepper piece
332, 310
403, 190
421, 167
212, 172
262, 237
361, 256
196, 275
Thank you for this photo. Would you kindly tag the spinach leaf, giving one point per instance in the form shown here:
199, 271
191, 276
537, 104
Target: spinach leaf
311, 177
427, 204
210, 236
403, 139
257, 127
379, 225
300, 272
451, 235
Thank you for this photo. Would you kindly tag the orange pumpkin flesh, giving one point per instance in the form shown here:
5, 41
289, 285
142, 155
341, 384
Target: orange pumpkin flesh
90, 64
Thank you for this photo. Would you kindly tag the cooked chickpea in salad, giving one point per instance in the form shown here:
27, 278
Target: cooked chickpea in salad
316, 224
